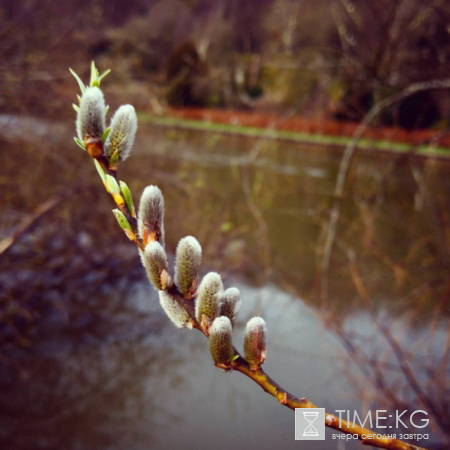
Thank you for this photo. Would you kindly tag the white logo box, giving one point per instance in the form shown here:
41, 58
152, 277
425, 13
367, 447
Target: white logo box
309, 424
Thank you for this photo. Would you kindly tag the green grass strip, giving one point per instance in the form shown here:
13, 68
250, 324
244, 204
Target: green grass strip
341, 141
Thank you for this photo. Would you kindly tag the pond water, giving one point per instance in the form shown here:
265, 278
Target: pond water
89, 361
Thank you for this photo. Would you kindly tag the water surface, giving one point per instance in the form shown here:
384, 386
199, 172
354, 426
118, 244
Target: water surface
88, 359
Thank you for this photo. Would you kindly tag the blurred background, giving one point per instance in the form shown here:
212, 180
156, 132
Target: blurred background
305, 144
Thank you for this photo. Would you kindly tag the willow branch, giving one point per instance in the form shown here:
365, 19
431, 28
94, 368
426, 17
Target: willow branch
283, 396
90, 123
29, 221
331, 421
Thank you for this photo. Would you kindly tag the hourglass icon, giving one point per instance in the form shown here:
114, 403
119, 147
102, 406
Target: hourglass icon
310, 417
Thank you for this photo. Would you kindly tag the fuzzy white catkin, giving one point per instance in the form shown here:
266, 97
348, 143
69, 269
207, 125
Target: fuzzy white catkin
220, 341
91, 116
123, 132
208, 296
255, 337
151, 211
176, 313
155, 261
188, 259
230, 303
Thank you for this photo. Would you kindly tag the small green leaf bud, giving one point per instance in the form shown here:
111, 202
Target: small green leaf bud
208, 296
176, 313
91, 117
103, 75
188, 259
106, 134
113, 186
128, 197
100, 171
123, 132
220, 343
155, 262
79, 143
94, 75
80, 83
151, 215
230, 302
255, 342
114, 189
122, 220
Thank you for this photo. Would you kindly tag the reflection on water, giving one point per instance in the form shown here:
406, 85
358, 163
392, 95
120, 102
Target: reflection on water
88, 359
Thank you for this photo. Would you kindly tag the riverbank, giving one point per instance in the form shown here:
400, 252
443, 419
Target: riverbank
321, 132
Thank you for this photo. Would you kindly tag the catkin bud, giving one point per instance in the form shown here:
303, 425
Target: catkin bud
155, 262
255, 342
208, 296
176, 313
230, 302
123, 131
151, 215
188, 259
220, 343
91, 116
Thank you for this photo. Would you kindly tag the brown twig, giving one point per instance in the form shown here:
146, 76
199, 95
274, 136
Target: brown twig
345, 166
394, 345
292, 402
28, 221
